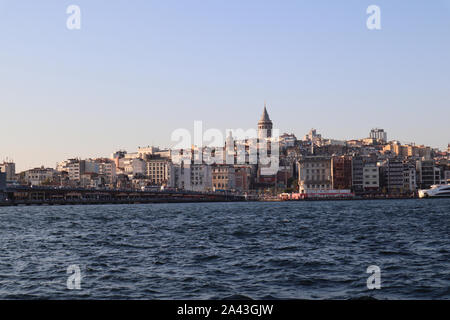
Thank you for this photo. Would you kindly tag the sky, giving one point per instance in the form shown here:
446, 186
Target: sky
138, 70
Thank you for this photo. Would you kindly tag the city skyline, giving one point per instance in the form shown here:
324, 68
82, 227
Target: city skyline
134, 73
20, 167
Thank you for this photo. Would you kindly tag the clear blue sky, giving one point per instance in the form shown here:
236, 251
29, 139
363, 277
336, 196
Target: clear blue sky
137, 70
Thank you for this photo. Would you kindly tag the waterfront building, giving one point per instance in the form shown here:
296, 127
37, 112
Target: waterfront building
192, 177
223, 177
285, 173
392, 170
371, 177
9, 168
358, 174
314, 173
107, 169
158, 170
76, 168
39, 176
427, 173
341, 172
243, 177
409, 177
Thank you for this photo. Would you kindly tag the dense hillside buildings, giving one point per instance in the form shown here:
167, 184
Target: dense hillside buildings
367, 166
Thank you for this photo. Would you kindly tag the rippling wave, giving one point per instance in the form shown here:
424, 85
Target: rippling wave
280, 250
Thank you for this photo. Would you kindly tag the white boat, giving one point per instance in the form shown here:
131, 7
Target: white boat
436, 191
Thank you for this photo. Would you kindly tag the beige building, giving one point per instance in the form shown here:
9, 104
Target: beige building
158, 170
223, 177
314, 173
408, 150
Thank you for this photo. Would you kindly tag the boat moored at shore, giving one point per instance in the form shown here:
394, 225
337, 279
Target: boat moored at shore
436, 191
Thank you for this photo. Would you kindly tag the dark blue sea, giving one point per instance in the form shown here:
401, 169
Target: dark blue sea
281, 250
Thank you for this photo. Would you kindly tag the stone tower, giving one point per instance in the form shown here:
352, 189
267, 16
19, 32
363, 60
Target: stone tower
265, 124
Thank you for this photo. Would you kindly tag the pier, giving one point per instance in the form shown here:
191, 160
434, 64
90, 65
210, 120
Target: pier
23, 195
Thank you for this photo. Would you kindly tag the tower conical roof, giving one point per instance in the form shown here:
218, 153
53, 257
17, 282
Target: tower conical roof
265, 116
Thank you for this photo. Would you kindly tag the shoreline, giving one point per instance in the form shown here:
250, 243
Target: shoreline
158, 201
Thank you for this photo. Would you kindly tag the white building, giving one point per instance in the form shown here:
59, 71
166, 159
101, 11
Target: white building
194, 177
378, 134
75, 169
371, 176
38, 176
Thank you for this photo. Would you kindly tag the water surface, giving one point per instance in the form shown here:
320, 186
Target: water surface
311, 250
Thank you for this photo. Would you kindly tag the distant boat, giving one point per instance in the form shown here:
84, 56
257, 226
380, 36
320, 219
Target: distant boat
436, 191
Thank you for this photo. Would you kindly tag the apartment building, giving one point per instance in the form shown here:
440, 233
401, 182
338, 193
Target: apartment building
341, 172
314, 173
409, 177
358, 174
223, 177
158, 170
39, 176
393, 175
427, 173
371, 177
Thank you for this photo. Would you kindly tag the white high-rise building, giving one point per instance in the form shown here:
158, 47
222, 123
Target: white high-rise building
378, 134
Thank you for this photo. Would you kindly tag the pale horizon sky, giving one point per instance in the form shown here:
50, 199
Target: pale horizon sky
137, 71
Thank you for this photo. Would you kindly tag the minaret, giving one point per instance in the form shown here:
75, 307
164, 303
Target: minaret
265, 124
